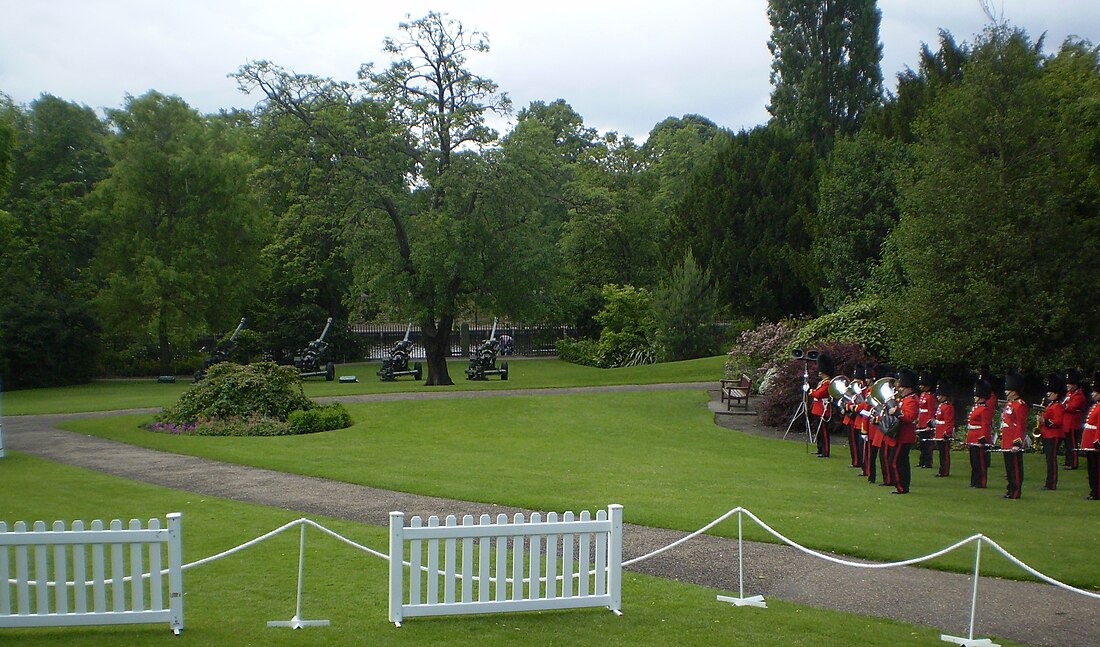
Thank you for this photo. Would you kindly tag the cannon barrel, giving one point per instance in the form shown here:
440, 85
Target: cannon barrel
241, 326
324, 333
408, 331
493, 335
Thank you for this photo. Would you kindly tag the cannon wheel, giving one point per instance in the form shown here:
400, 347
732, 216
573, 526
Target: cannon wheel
330, 372
418, 371
504, 370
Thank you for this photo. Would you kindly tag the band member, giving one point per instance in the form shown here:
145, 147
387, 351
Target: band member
884, 442
978, 433
906, 409
872, 443
822, 406
1075, 408
1013, 428
851, 420
926, 410
943, 425
1051, 426
1090, 441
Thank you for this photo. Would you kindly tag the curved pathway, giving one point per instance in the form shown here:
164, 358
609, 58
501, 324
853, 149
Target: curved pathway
1026, 612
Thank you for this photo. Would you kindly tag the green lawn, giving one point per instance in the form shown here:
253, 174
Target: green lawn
229, 601
661, 456
110, 395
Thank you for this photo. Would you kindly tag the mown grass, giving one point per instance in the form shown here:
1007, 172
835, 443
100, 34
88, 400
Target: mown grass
229, 601
111, 395
661, 456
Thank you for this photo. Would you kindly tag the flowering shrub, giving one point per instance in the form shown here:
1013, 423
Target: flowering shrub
759, 349
253, 400
780, 402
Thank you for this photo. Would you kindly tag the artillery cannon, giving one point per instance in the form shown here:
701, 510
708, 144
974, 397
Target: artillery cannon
483, 359
222, 351
397, 364
308, 360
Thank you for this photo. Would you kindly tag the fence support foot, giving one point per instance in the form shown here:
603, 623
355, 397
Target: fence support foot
754, 601
296, 623
969, 642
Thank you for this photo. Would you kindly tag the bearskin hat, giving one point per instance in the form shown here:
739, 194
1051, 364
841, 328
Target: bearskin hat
825, 364
1014, 382
982, 389
944, 389
907, 377
1056, 384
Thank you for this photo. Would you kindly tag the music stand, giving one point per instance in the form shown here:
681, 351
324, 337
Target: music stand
802, 411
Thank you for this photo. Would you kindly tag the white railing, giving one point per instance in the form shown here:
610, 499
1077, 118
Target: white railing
48, 584
556, 555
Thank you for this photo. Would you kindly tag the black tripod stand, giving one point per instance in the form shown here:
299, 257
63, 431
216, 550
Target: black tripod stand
802, 411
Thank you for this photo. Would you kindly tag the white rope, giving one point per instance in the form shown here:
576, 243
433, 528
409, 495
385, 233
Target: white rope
1048, 580
688, 537
237, 549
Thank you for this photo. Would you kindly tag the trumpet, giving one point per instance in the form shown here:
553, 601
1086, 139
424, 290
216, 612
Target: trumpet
1037, 432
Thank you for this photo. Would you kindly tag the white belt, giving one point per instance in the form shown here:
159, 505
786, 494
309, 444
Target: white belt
973, 426
1088, 426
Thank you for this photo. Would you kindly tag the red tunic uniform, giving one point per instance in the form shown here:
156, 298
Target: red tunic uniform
908, 411
1091, 434
1074, 403
979, 424
1013, 424
820, 396
1052, 422
945, 420
926, 410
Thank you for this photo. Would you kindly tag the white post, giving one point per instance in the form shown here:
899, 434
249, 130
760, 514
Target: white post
296, 622
741, 600
175, 570
970, 641
397, 555
615, 559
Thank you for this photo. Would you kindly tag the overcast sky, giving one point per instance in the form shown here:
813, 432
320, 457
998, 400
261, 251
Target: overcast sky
622, 65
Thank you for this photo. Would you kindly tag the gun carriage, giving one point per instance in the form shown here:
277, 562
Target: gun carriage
483, 359
308, 360
397, 364
222, 351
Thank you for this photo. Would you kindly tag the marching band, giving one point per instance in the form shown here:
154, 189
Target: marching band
886, 415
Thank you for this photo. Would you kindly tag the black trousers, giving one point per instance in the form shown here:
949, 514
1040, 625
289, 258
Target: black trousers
1093, 461
1073, 441
1050, 452
926, 448
1014, 471
945, 456
872, 462
979, 464
897, 457
822, 428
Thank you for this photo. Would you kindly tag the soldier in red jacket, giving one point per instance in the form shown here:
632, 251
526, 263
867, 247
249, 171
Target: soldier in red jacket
906, 409
943, 426
926, 411
1090, 441
1075, 404
1051, 426
822, 405
1013, 428
979, 434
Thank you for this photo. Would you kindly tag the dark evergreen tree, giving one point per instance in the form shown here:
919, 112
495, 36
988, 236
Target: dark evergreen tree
825, 67
744, 220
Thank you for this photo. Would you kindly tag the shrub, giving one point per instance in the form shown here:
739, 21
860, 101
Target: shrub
326, 418
857, 322
627, 335
759, 351
260, 399
779, 403
230, 390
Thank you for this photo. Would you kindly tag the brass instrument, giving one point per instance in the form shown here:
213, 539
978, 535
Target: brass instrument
838, 388
1037, 432
884, 393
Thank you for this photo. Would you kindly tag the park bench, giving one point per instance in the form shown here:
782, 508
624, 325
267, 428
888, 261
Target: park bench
735, 393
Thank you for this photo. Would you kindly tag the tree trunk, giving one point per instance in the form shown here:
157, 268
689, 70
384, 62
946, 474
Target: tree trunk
437, 348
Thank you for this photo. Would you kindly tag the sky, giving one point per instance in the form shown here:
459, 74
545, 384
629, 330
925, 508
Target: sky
622, 65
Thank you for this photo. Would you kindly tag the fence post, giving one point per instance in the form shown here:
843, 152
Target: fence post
970, 641
741, 600
1, 418
397, 554
615, 559
296, 622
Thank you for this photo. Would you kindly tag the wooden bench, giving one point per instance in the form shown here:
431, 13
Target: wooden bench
735, 393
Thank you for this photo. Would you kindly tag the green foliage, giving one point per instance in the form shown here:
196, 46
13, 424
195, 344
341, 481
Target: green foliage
857, 322
232, 391
685, 306
991, 247
180, 230
745, 221
857, 209
759, 349
324, 418
825, 66
47, 340
628, 328
781, 398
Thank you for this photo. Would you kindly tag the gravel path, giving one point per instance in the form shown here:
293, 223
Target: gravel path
1025, 612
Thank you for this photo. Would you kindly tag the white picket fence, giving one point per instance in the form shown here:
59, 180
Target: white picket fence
51, 585
554, 564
